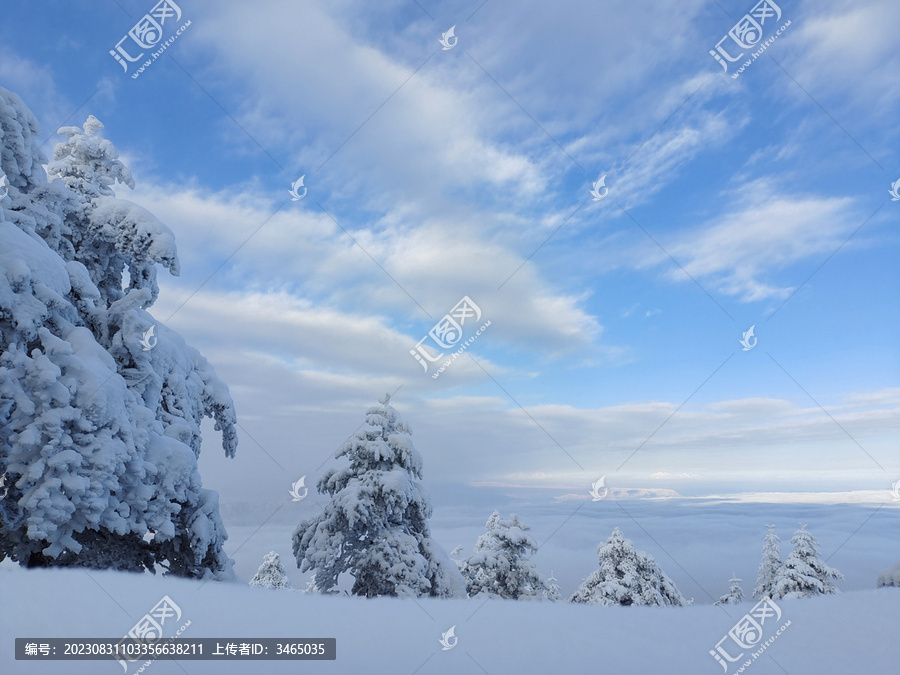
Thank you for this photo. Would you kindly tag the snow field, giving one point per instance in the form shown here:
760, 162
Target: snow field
847, 634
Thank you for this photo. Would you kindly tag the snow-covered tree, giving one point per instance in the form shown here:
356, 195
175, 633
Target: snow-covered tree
626, 577
890, 577
376, 525
500, 565
271, 573
769, 566
311, 585
735, 593
551, 592
99, 426
804, 574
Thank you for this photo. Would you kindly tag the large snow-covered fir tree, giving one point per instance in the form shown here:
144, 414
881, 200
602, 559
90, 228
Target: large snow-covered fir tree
271, 573
100, 404
769, 566
626, 577
376, 525
735, 593
804, 574
500, 565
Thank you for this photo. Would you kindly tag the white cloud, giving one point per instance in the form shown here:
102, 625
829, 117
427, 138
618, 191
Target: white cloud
299, 247
315, 83
307, 376
765, 232
657, 161
450, 135
847, 51
589, 66
301, 336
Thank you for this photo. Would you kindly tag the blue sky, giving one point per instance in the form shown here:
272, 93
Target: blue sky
615, 324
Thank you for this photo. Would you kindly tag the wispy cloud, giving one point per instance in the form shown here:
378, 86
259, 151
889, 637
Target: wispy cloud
742, 251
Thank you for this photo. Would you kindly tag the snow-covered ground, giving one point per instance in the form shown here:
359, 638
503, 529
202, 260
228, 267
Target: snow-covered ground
699, 544
853, 633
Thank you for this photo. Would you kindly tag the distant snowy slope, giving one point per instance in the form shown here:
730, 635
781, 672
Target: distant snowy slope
836, 635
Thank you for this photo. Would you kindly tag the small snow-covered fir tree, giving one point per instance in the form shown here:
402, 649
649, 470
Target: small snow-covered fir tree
376, 525
311, 585
804, 574
626, 577
551, 592
890, 577
500, 565
735, 593
99, 437
769, 566
271, 573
